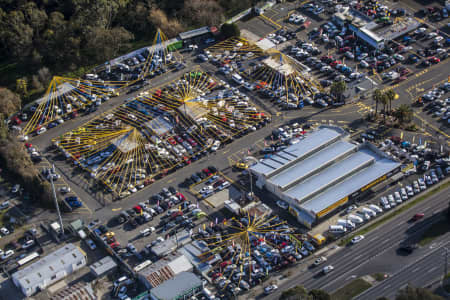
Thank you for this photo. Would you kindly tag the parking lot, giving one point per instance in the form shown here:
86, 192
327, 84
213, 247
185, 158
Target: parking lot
162, 161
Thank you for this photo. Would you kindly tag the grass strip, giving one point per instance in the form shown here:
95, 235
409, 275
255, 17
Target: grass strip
434, 231
351, 290
395, 213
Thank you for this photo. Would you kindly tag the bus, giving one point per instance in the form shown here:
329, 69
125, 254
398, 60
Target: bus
27, 259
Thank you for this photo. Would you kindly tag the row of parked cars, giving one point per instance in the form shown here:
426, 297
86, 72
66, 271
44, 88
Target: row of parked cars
437, 104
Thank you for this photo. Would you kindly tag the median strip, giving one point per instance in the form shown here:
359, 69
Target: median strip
395, 213
351, 290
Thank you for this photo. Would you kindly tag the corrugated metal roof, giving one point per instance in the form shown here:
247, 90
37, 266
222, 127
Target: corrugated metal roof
328, 176
312, 163
313, 142
176, 287
194, 33
46, 267
350, 185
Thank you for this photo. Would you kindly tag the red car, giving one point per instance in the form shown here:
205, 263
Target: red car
344, 49
28, 145
114, 245
417, 217
405, 72
172, 141
176, 214
16, 120
434, 60
400, 79
192, 142
179, 139
207, 172
181, 196
334, 63
137, 209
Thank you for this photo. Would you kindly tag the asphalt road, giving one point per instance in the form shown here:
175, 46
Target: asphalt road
421, 272
376, 244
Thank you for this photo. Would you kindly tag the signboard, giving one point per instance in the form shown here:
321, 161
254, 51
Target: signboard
293, 211
375, 182
331, 207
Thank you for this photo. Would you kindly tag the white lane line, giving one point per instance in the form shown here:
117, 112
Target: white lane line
374, 238
385, 241
432, 269
436, 211
356, 257
387, 286
426, 208
415, 270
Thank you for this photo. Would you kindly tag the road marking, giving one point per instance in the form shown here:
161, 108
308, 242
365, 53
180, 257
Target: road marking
416, 269
432, 269
374, 238
387, 286
356, 257
116, 209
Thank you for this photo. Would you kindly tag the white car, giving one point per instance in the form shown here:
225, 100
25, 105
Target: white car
282, 204
64, 190
409, 191
320, 260
327, 269
28, 244
41, 130
7, 254
397, 197
270, 289
4, 231
206, 189
403, 194
357, 239
364, 64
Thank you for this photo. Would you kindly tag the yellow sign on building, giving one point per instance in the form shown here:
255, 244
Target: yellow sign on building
331, 207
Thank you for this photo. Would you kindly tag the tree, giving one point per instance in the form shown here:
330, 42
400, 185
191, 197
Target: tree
391, 96
377, 94
295, 293
171, 27
10, 102
319, 295
403, 113
337, 89
412, 293
384, 101
203, 12
230, 30
16, 36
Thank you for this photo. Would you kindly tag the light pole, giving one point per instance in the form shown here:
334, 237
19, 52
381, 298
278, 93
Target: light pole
51, 172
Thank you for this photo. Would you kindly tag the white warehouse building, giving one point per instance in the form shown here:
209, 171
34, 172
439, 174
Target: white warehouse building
49, 269
322, 172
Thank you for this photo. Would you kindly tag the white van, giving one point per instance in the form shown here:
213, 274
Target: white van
337, 229
237, 78
346, 223
368, 211
355, 219
375, 208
